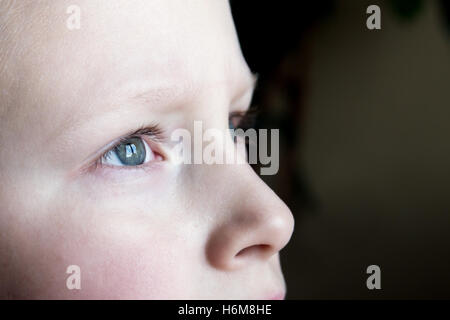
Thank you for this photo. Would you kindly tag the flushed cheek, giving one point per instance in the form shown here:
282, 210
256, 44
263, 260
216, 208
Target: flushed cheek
136, 254
123, 234
135, 251
130, 271
113, 264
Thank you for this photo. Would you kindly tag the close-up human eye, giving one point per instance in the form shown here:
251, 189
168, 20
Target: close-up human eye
133, 151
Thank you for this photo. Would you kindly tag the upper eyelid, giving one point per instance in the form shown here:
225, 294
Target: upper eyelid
153, 131
247, 91
249, 116
252, 111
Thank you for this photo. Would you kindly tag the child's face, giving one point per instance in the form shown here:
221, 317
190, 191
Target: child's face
156, 230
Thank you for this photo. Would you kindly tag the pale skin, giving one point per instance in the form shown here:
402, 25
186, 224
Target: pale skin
157, 231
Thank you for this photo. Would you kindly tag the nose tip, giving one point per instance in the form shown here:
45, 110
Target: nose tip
251, 236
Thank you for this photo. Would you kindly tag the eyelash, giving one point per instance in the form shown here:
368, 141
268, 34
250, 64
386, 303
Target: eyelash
155, 133
247, 119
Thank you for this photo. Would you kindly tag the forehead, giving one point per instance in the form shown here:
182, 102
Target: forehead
120, 45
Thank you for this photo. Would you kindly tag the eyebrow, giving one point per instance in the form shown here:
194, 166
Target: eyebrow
154, 96
160, 98
147, 94
251, 82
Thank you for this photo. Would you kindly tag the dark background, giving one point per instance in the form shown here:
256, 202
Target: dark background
364, 118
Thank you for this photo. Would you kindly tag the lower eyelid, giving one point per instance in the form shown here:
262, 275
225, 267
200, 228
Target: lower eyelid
121, 177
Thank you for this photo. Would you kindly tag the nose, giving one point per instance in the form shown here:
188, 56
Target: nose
256, 226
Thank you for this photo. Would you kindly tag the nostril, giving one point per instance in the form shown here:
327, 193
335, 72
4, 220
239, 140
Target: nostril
258, 250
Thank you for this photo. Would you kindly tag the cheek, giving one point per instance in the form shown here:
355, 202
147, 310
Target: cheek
131, 247
129, 266
134, 251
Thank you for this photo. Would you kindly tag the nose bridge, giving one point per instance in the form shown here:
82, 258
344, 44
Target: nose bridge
254, 223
